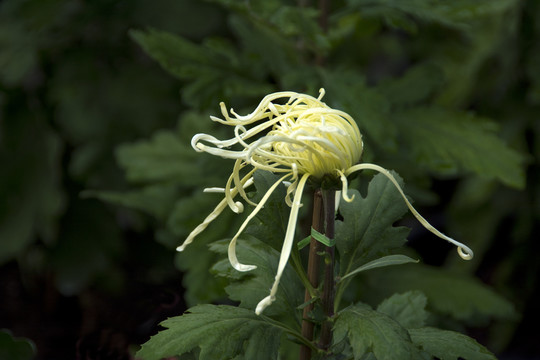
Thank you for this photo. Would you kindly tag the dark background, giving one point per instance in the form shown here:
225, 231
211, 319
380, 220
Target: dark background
82, 278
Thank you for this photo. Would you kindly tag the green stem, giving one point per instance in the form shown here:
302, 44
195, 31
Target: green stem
339, 293
329, 280
292, 332
299, 268
312, 272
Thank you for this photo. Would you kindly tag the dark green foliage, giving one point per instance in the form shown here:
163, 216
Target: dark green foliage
463, 298
250, 288
12, 348
370, 331
408, 309
444, 93
221, 332
366, 232
449, 345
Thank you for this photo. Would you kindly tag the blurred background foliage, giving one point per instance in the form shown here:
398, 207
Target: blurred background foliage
445, 93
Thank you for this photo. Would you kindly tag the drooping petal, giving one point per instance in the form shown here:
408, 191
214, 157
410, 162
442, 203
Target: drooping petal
463, 250
202, 226
232, 245
287, 245
345, 187
246, 181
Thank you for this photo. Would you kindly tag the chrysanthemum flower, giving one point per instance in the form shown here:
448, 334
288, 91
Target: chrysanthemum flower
300, 137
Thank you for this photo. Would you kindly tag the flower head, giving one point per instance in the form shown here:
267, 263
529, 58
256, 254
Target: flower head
300, 138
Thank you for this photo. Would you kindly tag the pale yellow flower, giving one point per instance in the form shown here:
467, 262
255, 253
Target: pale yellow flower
299, 139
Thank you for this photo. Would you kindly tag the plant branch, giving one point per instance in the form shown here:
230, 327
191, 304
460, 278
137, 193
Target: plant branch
312, 272
329, 281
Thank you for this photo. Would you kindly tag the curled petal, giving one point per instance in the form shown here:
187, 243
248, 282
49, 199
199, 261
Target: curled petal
247, 181
232, 245
202, 226
463, 250
345, 187
287, 245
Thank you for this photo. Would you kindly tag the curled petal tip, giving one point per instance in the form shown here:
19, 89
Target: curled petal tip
244, 268
180, 248
263, 304
465, 254
239, 207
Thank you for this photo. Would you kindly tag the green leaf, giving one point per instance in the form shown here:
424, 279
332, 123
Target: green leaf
162, 158
347, 91
368, 331
449, 345
19, 51
156, 200
221, 332
408, 309
12, 348
30, 187
415, 86
445, 140
366, 232
213, 70
381, 262
463, 298
456, 14
270, 224
251, 287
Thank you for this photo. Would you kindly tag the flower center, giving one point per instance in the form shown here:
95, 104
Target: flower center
319, 141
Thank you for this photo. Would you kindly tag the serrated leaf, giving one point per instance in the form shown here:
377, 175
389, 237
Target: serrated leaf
156, 200
456, 14
370, 331
445, 140
415, 86
366, 232
250, 288
348, 91
463, 298
408, 309
449, 345
270, 224
212, 71
162, 158
221, 332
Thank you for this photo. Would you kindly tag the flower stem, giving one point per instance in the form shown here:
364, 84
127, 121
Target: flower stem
312, 272
329, 280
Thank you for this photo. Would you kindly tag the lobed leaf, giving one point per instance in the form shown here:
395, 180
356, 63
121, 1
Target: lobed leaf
251, 287
449, 345
221, 332
270, 224
368, 331
408, 309
163, 158
366, 233
456, 14
463, 298
348, 91
447, 140
213, 70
